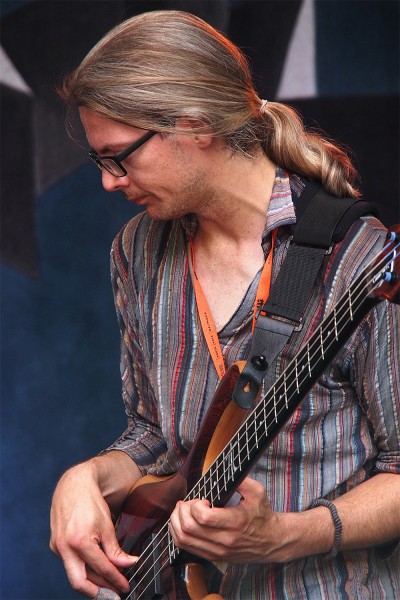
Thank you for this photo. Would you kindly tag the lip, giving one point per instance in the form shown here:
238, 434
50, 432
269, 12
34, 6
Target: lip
139, 201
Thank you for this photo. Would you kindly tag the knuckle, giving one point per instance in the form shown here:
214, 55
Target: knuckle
185, 532
76, 585
57, 545
204, 519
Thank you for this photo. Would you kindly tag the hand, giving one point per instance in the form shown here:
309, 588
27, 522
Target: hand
246, 533
83, 534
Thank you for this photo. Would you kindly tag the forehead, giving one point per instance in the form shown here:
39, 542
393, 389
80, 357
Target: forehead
105, 134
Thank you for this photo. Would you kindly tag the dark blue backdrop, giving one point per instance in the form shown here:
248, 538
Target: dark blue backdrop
60, 372
60, 388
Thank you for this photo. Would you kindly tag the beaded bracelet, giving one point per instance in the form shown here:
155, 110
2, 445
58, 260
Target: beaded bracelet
338, 525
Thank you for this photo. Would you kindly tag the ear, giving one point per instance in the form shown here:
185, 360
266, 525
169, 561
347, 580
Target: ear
200, 132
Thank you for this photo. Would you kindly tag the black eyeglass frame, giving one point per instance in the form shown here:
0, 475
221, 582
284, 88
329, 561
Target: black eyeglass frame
99, 160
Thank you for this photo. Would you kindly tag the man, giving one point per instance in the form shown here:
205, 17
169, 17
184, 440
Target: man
173, 121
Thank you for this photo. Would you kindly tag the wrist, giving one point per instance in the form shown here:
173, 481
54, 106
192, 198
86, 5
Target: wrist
93, 476
337, 540
115, 473
305, 533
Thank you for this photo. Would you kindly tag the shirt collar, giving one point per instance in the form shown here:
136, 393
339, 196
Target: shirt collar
286, 189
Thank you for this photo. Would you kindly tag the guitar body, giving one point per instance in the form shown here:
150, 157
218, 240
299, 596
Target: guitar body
152, 499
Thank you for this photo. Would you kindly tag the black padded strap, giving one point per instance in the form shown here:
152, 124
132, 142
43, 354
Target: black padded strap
292, 287
322, 220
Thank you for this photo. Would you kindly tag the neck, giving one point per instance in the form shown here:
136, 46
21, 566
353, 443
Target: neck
240, 204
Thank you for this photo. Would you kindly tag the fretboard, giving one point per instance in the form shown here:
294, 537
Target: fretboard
275, 408
282, 399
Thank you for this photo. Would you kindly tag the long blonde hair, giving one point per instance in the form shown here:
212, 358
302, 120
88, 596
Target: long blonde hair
159, 66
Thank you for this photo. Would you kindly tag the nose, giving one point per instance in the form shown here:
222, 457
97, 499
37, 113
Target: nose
112, 183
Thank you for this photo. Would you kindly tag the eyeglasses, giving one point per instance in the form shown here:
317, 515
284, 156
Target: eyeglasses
112, 164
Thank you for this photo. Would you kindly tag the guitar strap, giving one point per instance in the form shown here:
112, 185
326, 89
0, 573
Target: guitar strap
322, 221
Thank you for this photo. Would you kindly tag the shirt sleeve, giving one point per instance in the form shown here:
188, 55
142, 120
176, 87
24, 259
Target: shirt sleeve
377, 375
142, 440
376, 372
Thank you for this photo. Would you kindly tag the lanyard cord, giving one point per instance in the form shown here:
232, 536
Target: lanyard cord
206, 319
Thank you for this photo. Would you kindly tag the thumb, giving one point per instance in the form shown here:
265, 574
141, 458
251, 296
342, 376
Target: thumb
115, 553
250, 487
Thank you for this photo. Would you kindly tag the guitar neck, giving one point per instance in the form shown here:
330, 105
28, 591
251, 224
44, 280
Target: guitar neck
262, 425
380, 280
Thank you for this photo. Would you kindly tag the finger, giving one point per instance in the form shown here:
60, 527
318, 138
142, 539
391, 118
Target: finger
251, 487
77, 577
203, 547
84, 560
186, 529
212, 519
114, 552
98, 579
106, 594
102, 564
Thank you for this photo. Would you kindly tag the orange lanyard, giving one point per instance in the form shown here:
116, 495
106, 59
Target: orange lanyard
206, 319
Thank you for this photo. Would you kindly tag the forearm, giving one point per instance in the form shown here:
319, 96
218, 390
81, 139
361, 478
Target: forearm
369, 515
82, 532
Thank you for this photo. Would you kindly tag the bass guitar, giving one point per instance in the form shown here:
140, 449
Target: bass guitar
231, 439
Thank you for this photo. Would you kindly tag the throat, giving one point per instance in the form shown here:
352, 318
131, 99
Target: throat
224, 278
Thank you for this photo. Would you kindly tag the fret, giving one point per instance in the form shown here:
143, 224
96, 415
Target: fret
265, 416
210, 483
297, 374
275, 413
350, 307
309, 359
225, 472
321, 343
253, 436
335, 324
256, 434
285, 389
261, 418
242, 449
219, 476
173, 551
215, 494
283, 400
214, 490
235, 458
247, 438
259, 422
207, 486
196, 491
231, 463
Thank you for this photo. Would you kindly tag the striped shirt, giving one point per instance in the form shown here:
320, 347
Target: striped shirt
346, 429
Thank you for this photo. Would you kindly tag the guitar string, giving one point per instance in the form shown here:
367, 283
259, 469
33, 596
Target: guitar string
336, 318
208, 476
232, 447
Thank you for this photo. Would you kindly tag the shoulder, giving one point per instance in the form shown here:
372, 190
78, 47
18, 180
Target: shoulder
141, 242
364, 238
363, 241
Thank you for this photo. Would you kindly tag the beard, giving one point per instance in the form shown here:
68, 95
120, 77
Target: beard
194, 195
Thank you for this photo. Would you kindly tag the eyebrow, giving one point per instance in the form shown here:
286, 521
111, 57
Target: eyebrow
107, 150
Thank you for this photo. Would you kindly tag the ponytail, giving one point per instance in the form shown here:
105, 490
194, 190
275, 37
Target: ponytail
289, 144
159, 66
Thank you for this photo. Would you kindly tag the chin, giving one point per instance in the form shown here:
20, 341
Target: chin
158, 214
